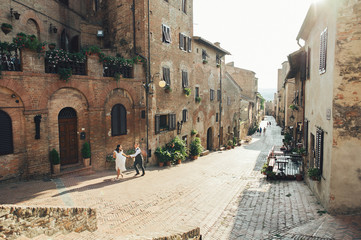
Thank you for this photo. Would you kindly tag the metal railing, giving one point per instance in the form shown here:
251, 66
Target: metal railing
110, 70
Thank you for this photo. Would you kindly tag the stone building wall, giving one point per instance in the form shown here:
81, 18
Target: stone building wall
245, 78
346, 111
33, 221
331, 102
289, 95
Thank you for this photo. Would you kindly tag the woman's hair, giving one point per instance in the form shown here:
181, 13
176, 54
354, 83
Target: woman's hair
118, 148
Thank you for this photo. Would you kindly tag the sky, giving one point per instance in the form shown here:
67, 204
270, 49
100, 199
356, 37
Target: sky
259, 34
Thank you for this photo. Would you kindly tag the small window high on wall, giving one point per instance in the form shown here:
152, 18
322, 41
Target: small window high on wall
6, 134
323, 51
65, 2
119, 120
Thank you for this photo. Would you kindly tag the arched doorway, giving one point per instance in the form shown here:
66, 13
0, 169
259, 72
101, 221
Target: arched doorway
209, 139
68, 138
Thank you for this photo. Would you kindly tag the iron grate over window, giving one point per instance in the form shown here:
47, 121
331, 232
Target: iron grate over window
6, 134
67, 113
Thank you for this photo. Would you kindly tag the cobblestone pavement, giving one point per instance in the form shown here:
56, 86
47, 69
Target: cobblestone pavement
223, 193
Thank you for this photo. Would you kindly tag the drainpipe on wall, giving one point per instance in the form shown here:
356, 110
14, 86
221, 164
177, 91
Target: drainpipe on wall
220, 104
148, 74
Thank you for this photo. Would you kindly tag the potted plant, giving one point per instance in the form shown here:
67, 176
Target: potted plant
168, 157
198, 99
167, 89
229, 144
264, 169
187, 91
301, 151
55, 161
65, 73
178, 157
6, 28
195, 148
51, 46
194, 132
85, 151
293, 107
299, 177
218, 65
159, 152
314, 174
205, 61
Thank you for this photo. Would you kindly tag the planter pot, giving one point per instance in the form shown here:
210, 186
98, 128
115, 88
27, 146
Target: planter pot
229, 147
179, 161
86, 162
167, 90
161, 164
56, 168
315, 178
194, 157
51, 46
6, 30
168, 163
299, 177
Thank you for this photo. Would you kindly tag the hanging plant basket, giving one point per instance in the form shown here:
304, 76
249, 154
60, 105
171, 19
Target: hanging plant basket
6, 28
52, 46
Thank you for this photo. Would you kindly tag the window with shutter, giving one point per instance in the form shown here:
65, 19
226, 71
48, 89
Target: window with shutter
216, 117
308, 68
211, 94
323, 51
181, 41
166, 75
319, 149
218, 60
305, 135
185, 115
172, 121
197, 92
184, 6
184, 79
157, 124
218, 95
119, 120
204, 55
6, 134
166, 34
189, 44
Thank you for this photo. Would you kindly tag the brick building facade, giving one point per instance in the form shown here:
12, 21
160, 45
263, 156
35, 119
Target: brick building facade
42, 112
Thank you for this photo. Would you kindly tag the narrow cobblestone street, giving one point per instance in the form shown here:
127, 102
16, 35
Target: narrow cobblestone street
223, 193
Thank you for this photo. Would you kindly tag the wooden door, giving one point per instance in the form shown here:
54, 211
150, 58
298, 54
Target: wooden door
209, 139
68, 136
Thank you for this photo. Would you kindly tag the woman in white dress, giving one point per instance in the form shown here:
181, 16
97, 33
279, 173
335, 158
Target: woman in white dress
120, 158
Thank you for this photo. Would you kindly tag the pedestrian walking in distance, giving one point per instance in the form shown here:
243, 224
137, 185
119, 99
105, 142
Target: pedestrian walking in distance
264, 131
138, 159
120, 158
260, 131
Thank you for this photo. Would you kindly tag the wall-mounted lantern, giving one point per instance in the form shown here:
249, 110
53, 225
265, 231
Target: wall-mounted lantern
14, 14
